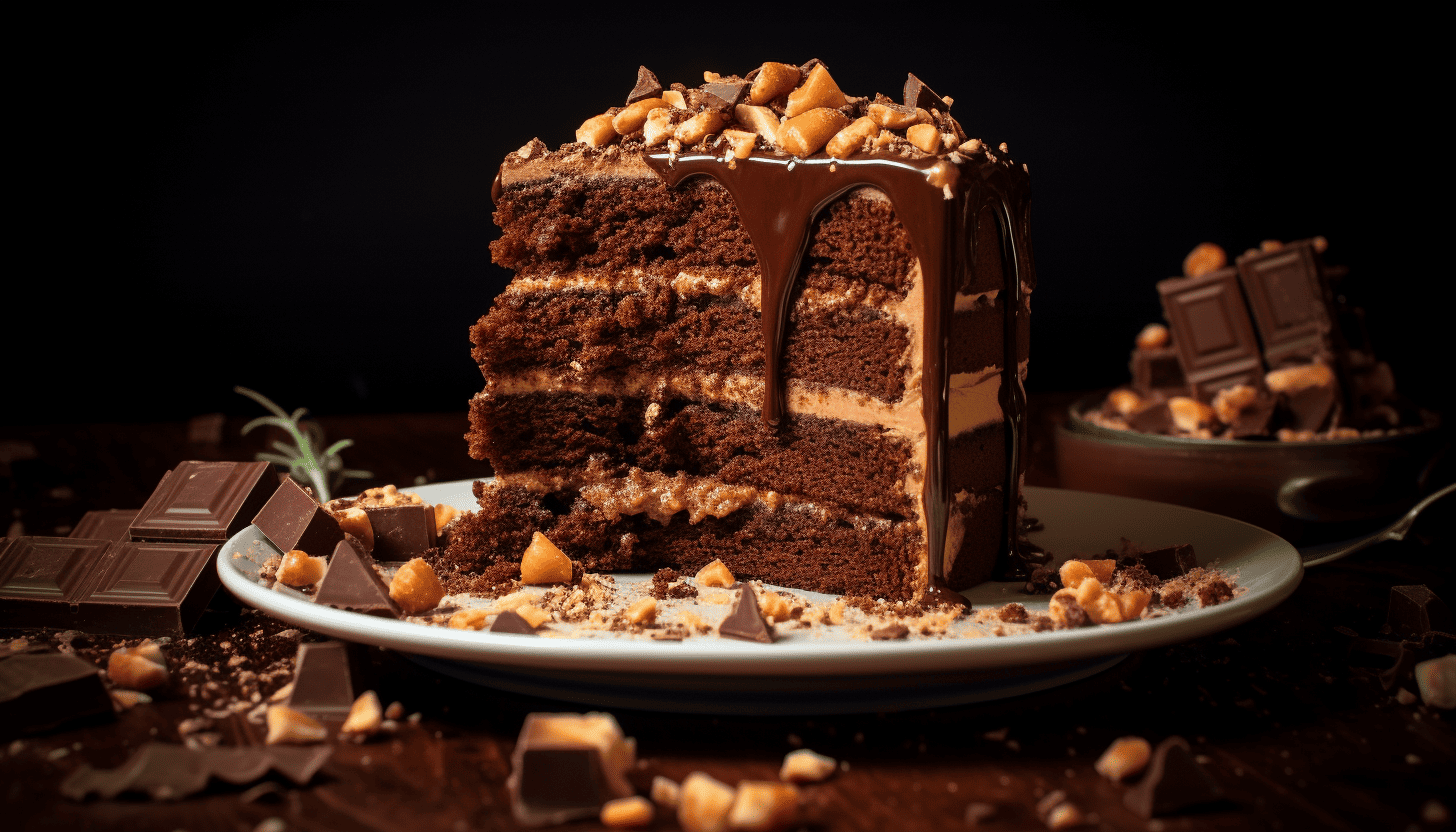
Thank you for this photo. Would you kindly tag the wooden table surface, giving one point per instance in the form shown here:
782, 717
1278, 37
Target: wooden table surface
1299, 731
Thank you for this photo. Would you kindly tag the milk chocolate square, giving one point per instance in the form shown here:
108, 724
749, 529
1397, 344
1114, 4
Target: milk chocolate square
1288, 303
1212, 332
41, 577
204, 501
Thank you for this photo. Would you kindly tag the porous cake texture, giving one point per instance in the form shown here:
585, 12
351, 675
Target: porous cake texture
763, 322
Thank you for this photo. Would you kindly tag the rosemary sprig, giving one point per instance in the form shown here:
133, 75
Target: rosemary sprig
304, 463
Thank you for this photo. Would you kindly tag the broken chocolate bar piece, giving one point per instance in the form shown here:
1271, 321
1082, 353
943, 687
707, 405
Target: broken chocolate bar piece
511, 622
149, 589
293, 519
113, 525
204, 501
745, 621
565, 766
1156, 369
1170, 561
1212, 332
40, 691
1155, 418
1415, 611
917, 94
170, 772
401, 532
1288, 303
1310, 408
323, 680
40, 577
723, 95
647, 86
1174, 781
352, 583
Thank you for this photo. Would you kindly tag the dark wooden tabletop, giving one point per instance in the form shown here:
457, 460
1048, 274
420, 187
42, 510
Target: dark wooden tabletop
1299, 729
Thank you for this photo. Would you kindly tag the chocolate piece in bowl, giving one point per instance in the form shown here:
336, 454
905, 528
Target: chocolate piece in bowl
293, 519
204, 501
1212, 332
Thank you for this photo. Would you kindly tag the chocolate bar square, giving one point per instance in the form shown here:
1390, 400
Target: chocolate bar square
40, 577
1212, 332
204, 501
113, 525
1288, 302
149, 589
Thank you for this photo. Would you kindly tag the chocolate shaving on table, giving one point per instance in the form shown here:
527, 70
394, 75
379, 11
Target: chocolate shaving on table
1415, 611
745, 621
917, 94
168, 772
352, 583
647, 86
511, 622
1174, 781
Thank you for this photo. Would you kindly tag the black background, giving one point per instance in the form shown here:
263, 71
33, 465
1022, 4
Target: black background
296, 197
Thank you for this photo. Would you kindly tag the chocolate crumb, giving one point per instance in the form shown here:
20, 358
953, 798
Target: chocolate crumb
890, 632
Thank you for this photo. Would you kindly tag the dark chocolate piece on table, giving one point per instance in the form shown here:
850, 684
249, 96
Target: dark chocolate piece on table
323, 680
1289, 304
556, 776
293, 519
745, 621
352, 583
1170, 561
1174, 781
114, 524
149, 589
204, 501
167, 772
511, 622
725, 94
647, 86
40, 691
917, 94
1212, 332
41, 577
401, 532
1415, 611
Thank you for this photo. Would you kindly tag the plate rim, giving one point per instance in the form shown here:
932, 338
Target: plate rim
713, 656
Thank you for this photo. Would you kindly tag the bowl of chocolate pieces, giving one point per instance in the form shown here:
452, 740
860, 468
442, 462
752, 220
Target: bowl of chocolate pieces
1260, 398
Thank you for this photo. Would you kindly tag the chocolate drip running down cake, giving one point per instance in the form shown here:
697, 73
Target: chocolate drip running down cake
762, 322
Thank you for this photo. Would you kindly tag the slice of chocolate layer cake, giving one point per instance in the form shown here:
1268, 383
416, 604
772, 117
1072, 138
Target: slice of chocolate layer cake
763, 322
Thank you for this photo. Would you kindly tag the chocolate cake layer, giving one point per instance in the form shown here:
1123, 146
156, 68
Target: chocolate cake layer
859, 467
818, 550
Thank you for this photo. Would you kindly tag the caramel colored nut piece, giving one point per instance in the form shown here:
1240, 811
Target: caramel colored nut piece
896, 117
763, 806
674, 98
1126, 757
715, 574
1061, 607
772, 81
355, 521
394, 711
741, 142
1436, 680
774, 607
443, 515
597, 131
627, 812
634, 115
125, 700
807, 133
1296, 379
760, 120
805, 766
299, 569
365, 715
852, 138
643, 612
1204, 258
543, 563
1229, 402
1064, 816
704, 804
658, 127
535, 616
285, 725
1152, 337
137, 668
1267, 246
817, 91
1105, 607
1133, 602
1125, 402
467, 620
416, 588
925, 137
699, 127
666, 792
1320, 245
1074, 572
1189, 414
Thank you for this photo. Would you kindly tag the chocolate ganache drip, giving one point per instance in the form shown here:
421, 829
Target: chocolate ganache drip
936, 199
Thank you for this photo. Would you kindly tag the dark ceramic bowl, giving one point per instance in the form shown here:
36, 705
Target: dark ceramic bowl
1305, 492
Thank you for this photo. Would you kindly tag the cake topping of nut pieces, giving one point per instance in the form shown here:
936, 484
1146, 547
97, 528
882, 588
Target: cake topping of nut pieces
543, 563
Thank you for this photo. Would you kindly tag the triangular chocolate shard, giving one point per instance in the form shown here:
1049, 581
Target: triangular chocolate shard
1174, 781
919, 95
647, 86
745, 621
323, 681
511, 622
351, 583
725, 94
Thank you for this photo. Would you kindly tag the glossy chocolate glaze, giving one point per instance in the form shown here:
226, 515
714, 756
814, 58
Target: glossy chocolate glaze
937, 199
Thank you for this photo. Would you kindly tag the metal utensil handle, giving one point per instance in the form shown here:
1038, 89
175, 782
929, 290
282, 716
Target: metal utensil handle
1316, 555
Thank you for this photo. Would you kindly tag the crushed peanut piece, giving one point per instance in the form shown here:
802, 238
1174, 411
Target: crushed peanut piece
1204, 258
543, 563
666, 792
416, 588
467, 620
300, 569
715, 574
763, 806
1126, 757
138, 668
535, 616
355, 521
285, 725
597, 131
365, 716
924, 136
1073, 572
1152, 337
774, 606
625, 812
443, 515
817, 92
808, 132
704, 803
773, 81
806, 766
643, 612
1189, 415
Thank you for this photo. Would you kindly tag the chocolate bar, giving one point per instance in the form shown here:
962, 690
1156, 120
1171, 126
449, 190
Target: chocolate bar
39, 691
1212, 332
1289, 304
129, 588
204, 501
114, 525
293, 519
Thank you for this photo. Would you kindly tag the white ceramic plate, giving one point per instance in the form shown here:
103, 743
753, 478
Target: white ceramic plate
819, 669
